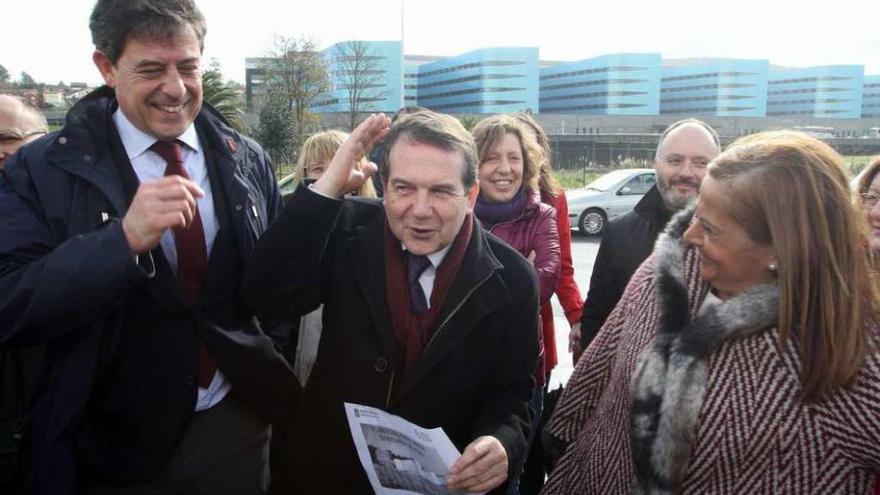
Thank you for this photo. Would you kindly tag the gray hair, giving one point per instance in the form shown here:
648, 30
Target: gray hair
31, 111
113, 22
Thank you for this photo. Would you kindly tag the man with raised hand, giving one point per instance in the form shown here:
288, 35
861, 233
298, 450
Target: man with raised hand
426, 315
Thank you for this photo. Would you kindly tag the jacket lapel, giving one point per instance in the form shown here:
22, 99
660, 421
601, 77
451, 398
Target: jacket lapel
227, 155
370, 277
474, 293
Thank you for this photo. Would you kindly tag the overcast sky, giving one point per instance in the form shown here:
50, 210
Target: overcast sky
51, 41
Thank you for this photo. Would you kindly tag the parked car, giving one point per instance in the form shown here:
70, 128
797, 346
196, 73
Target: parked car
287, 186
614, 194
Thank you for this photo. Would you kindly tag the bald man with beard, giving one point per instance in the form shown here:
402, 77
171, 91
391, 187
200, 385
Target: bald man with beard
20, 123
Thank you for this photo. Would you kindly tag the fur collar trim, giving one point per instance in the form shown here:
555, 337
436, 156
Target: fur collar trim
669, 383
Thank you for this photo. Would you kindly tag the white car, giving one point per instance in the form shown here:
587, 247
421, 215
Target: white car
614, 194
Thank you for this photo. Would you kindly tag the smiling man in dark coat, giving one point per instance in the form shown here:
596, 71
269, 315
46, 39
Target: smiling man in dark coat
426, 315
124, 240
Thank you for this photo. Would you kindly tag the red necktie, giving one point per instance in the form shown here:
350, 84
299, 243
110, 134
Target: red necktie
192, 253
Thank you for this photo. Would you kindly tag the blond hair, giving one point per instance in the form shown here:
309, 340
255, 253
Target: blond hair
320, 147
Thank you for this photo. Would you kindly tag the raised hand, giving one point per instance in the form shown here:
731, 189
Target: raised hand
162, 204
342, 174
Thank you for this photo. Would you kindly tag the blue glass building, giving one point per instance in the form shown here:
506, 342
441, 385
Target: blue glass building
624, 84
871, 97
504, 80
723, 88
491, 80
384, 72
832, 91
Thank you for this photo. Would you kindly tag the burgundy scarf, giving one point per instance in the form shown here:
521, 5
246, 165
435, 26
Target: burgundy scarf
414, 331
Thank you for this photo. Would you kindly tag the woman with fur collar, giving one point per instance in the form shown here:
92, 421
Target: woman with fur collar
743, 355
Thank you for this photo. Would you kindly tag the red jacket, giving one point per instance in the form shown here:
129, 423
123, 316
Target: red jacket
535, 231
567, 291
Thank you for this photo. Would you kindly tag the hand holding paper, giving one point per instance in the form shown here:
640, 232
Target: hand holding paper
482, 466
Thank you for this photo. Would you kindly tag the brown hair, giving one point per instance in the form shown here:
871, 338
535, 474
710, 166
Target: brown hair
869, 174
547, 183
789, 190
490, 129
320, 147
114, 22
435, 129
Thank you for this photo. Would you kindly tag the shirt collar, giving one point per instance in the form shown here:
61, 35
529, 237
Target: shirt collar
436, 257
136, 141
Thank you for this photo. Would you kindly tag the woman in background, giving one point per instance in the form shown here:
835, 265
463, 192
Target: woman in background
568, 293
315, 154
509, 206
553, 194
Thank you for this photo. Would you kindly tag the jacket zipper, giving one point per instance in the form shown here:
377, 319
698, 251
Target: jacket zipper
390, 388
457, 307
448, 317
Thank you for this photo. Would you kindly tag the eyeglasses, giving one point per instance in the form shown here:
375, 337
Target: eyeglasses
869, 199
14, 138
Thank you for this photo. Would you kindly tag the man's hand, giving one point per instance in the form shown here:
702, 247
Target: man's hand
574, 343
166, 203
574, 338
481, 467
342, 174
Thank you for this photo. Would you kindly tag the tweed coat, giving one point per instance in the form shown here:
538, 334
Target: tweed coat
738, 429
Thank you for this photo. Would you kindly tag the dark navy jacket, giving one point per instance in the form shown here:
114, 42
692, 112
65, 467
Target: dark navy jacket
118, 390
626, 243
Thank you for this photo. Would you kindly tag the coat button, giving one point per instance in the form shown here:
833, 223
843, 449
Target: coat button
237, 207
190, 381
87, 158
381, 365
62, 140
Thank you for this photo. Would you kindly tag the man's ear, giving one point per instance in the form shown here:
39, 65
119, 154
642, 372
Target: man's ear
472, 194
105, 67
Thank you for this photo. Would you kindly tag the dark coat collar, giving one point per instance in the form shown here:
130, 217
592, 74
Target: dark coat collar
462, 309
652, 208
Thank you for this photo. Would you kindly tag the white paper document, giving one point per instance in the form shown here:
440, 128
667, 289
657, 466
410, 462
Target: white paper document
399, 457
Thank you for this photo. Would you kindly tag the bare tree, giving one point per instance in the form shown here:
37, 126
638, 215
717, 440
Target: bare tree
359, 69
296, 72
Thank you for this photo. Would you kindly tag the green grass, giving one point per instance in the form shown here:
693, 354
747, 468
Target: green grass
282, 170
856, 163
575, 178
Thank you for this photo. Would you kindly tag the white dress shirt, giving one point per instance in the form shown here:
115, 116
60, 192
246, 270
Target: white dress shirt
149, 166
426, 279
